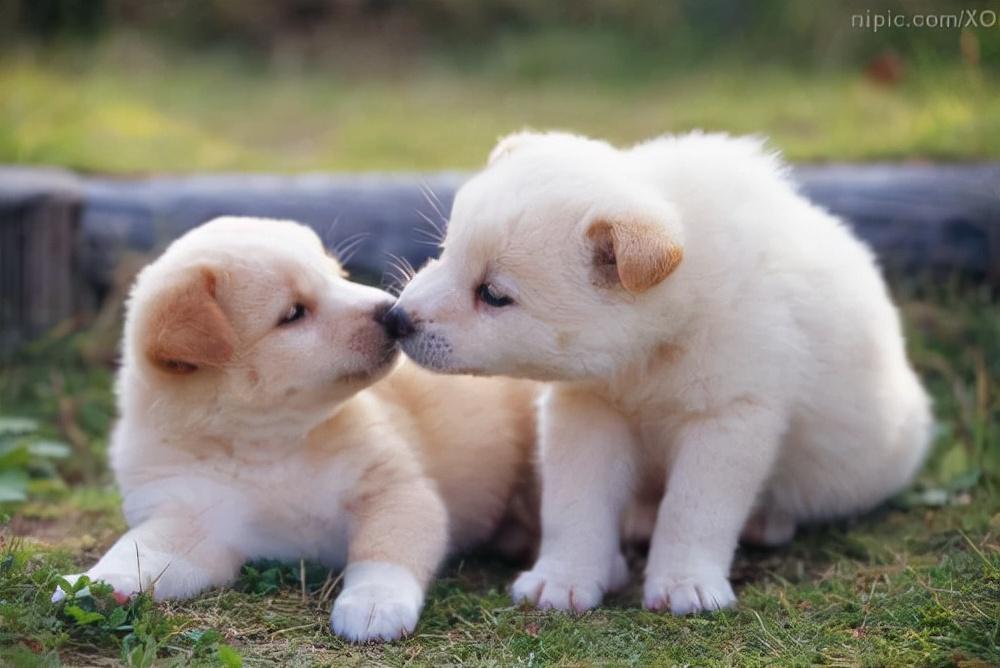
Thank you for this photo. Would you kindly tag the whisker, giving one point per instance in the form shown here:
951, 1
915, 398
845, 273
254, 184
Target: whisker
348, 239
430, 191
426, 242
433, 200
438, 231
345, 248
331, 227
427, 238
402, 266
400, 271
348, 254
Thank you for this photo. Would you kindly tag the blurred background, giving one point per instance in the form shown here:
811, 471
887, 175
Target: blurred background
131, 86
107, 106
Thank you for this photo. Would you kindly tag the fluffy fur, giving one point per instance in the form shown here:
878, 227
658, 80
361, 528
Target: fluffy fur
715, 343
247, 432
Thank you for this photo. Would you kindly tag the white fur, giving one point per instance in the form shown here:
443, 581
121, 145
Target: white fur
380, 600
307, 442
765, 376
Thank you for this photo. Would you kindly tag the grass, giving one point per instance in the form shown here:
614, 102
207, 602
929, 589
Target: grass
915, 583
127, 106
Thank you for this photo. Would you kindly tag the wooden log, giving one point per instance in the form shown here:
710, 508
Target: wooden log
39, 218
384, 214
939, 218
923, 218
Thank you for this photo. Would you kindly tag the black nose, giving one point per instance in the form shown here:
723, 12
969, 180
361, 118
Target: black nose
397, 322
381, 310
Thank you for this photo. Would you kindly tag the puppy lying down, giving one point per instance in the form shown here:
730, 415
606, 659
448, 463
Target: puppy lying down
715, 343
263, 415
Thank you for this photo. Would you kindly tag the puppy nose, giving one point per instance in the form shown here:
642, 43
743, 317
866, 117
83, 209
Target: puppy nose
397, 323
380, 311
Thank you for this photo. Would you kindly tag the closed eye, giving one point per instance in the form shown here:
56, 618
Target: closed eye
296, 312
488, 294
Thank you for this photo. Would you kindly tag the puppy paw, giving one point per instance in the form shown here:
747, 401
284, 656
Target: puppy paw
125, 586
688, 593
380, 601
561, 587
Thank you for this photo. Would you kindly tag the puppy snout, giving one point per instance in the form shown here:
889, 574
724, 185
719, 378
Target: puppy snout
397, 323
379, 313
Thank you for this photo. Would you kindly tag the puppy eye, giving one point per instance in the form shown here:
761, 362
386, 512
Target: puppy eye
295, 312
488, 294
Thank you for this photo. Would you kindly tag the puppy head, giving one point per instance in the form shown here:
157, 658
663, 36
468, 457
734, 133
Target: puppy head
251, 319
550, 265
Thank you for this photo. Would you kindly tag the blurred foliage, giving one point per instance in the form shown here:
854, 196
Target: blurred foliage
127, 106
25, 455
680, 33
174, 85
67, 407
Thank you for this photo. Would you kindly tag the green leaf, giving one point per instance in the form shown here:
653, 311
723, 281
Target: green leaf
63, 583
13, 485
965, 481
203, 639
81, 616
117, 618
50, 449
228, 656
932, 498
17, 425
7, 563
14, 455
953, 463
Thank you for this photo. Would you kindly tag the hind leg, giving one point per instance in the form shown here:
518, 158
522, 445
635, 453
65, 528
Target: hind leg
768, 527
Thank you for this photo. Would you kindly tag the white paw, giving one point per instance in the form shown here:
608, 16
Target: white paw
125, 585
684, 594
380, 601
561, 587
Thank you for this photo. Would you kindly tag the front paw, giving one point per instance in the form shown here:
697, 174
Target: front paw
380, 601
688, 593
125, 586
568, 588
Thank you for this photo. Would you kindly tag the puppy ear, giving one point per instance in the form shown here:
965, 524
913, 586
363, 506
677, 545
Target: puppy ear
636, 253
188, 330
511, 143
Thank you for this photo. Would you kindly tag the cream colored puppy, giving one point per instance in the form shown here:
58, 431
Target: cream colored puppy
713, 339
254, 424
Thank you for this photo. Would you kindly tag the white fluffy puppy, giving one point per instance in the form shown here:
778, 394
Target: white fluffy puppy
714, 339
254, 424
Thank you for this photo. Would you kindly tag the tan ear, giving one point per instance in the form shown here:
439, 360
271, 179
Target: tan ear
188, 330
640, 253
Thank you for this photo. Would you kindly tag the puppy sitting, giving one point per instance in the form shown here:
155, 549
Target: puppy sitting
713, 339
254, 424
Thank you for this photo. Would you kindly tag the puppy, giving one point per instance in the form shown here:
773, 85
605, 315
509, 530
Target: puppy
262, 415
715, 342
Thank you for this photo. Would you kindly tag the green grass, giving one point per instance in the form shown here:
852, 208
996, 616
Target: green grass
915, 583
128, 106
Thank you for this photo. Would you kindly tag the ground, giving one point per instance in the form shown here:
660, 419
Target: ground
914, 583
